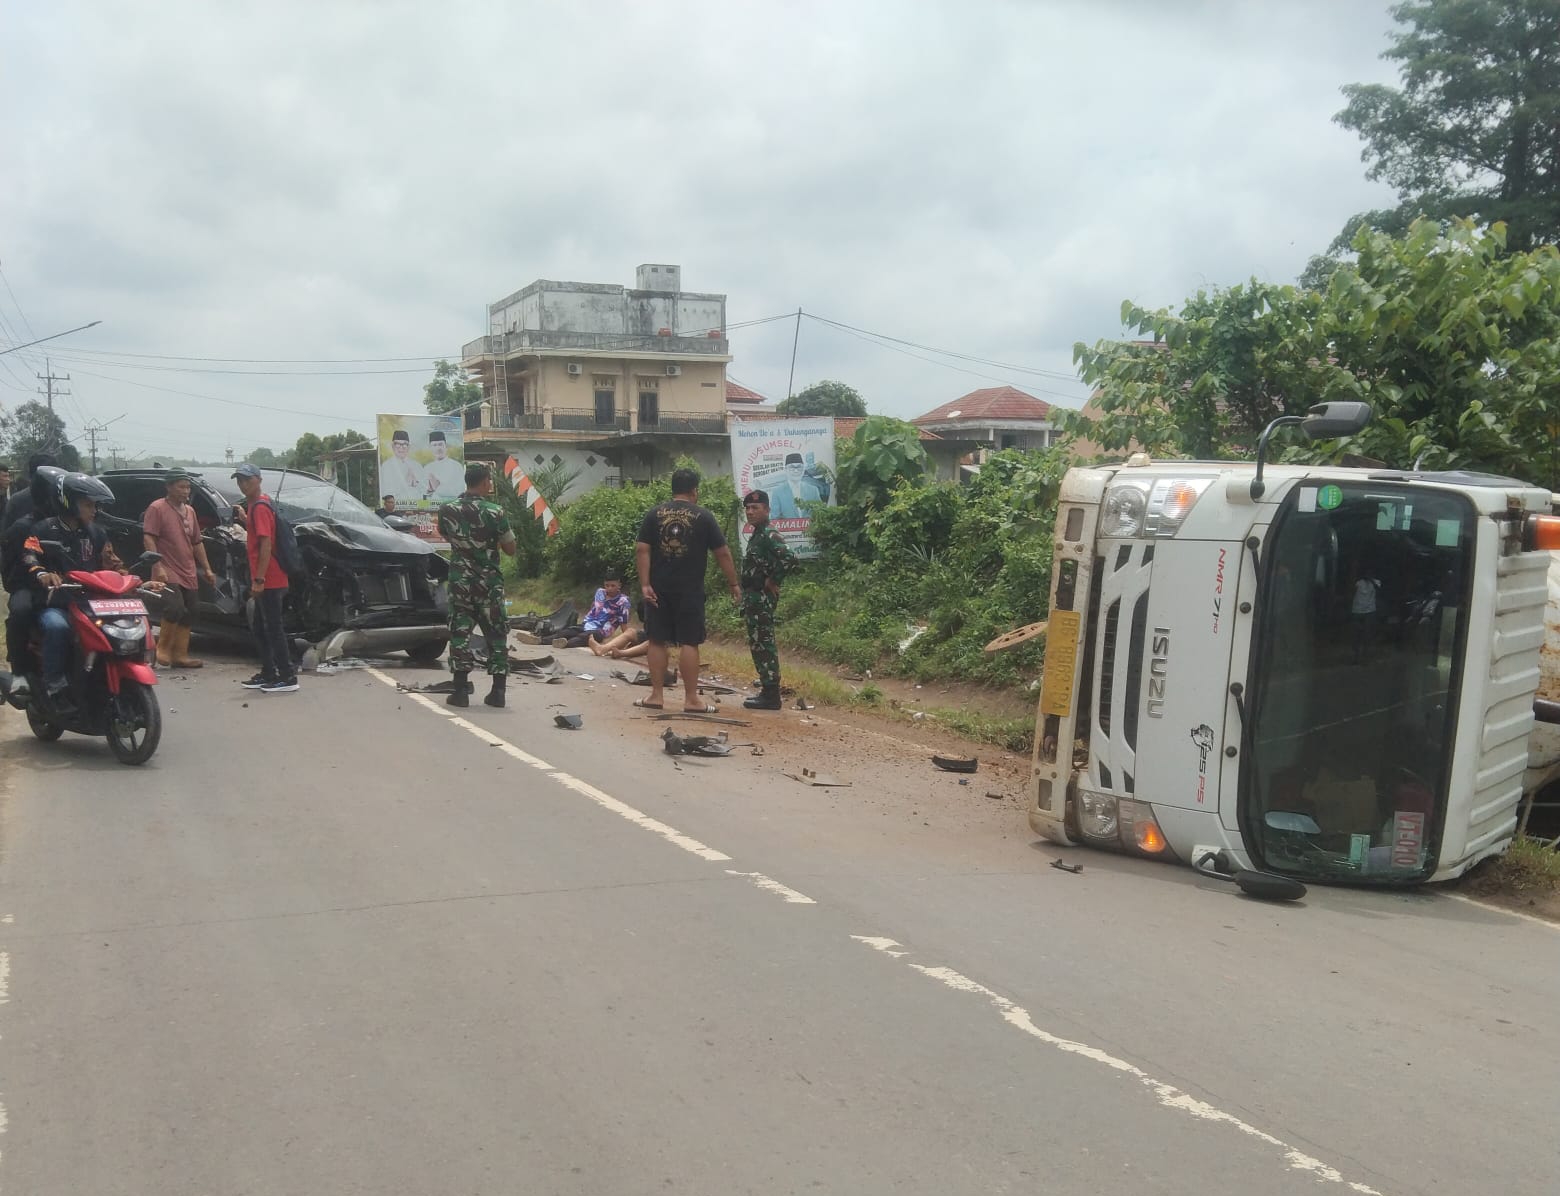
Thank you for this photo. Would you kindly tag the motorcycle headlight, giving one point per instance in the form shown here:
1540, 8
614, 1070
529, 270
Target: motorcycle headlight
127, 638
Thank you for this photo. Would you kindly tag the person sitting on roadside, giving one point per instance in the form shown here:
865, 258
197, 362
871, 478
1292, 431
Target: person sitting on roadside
608, 615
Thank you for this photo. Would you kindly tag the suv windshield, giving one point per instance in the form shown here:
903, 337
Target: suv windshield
1355, 679
301, 497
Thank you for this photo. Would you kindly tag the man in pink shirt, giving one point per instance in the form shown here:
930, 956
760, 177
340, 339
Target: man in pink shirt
169, 527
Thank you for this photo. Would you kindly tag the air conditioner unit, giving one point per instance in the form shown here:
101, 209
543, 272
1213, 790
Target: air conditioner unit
674, 371
575, 369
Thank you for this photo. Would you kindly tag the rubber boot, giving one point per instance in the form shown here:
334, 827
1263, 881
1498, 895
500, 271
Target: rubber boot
165, 634
496, 694
181, 650
767, 698
462, 691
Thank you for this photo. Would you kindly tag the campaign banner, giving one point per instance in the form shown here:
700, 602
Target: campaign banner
793, 461
422, 460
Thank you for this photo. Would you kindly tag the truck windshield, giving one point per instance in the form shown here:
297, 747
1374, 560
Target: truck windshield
1355, 675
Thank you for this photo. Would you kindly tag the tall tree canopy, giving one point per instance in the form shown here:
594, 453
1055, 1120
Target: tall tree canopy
824, 398
32, 428
1453, 340
1474, 131
449, 391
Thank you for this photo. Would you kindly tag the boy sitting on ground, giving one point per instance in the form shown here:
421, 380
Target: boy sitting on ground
608, 615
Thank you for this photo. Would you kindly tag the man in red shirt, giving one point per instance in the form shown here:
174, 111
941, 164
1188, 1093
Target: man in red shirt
268, 587
169, 528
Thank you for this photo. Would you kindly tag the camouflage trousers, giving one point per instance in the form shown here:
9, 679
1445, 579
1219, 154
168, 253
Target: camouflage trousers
478, 603
758, 615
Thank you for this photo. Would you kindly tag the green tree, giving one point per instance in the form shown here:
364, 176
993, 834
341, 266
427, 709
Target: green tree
1454, 341
267, 458
449, 391
1474, 131
1203, 382
32, 428
824, 398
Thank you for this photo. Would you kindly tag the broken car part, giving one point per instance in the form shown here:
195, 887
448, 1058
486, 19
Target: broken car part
956, 763
819, 780
1066, 867
1021, 635
569, 722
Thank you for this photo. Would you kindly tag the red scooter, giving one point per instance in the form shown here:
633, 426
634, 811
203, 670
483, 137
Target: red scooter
111, 678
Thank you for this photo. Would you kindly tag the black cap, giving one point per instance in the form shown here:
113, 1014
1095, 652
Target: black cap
246, 470
756, 496
432, 436
797, 457
401, 434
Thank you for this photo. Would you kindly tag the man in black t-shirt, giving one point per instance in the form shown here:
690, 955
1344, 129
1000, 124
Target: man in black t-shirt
675, 541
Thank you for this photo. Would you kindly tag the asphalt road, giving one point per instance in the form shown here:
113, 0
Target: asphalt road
342, 941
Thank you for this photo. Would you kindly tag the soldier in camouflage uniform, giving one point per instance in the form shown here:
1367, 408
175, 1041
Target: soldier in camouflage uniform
477, 530
764, 565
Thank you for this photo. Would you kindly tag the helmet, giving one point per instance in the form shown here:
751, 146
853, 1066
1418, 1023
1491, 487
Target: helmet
46, 481
75, 486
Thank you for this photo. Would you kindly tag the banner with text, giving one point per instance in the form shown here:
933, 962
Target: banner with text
422, 465
793, 461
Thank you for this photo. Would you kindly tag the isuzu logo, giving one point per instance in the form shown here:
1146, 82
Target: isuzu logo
1158, 671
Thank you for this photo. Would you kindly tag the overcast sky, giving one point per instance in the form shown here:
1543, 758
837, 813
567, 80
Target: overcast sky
338, 180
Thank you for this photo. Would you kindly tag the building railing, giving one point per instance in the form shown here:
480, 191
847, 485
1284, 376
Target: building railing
525, 340
573, 419
683, 421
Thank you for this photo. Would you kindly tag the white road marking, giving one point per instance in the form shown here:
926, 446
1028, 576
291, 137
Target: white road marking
1501, 909
1169, 1096
770, 885
605, 800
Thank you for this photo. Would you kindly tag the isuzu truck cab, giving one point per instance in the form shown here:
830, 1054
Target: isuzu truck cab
1324, 673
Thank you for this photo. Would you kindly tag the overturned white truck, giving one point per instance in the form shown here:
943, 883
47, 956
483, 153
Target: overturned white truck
1324, 673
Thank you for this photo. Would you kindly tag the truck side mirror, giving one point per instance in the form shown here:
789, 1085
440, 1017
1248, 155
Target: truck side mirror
1328, 421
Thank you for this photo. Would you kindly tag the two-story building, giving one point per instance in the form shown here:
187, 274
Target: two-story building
616, 382
996, 418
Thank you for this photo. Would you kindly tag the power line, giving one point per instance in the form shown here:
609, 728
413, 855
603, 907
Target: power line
970, 357
229, 402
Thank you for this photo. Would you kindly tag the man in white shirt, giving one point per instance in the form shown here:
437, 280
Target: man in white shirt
446, 476
1362, 614
401, 475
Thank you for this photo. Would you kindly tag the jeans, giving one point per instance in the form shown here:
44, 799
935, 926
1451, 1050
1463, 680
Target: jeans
270, 639
56, 646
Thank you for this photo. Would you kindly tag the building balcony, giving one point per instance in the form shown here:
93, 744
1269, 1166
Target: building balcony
584, 419
524, 342
587, 420
673, 422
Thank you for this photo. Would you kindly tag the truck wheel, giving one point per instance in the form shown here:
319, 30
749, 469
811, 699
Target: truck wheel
428, 653
134, 724
45, 730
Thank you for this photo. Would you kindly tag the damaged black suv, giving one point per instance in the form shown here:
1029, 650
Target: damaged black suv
365, 589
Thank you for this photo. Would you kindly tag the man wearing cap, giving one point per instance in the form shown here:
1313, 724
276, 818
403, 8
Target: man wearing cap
765, 562
402, 476
169, 528
267, 586
446, 476
795, 489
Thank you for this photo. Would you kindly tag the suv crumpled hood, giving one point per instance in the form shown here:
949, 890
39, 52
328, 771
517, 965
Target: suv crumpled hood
362, 536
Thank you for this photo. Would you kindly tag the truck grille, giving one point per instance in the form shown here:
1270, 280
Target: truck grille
1118, 680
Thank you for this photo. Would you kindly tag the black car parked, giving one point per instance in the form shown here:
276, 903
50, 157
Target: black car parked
364, 588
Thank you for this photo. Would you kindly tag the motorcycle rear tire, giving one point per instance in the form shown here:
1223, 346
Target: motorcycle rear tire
134, 744
45, 729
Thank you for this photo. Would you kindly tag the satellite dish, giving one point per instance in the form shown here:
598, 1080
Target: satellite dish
953, 415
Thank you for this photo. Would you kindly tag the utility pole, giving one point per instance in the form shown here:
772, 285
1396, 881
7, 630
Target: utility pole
113, 451
49, 378
791, 382
92, 432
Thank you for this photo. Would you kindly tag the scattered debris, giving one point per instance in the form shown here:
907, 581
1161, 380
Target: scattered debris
544, 625
643, 677
821, 781
585, 676
341, 664
1021, 635
916, 631
534, 666
1066, 867
803, 704
956, 763
667, 715
694, 745
998, 796
569, 722
714, 687
436, 687
964, 780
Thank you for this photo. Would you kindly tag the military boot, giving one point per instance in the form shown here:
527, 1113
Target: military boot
496, 694
767, 698
463, 687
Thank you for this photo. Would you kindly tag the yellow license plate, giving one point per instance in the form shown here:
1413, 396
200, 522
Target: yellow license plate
1061, 657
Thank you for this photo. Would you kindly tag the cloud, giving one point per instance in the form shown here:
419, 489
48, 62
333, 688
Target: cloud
356, 180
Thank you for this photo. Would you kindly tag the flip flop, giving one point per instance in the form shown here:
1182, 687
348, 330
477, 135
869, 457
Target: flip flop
644, 705
702, 710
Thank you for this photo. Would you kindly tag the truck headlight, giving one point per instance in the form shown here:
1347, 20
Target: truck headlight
1125, 510
1140, 829
1140, 508
1097, 815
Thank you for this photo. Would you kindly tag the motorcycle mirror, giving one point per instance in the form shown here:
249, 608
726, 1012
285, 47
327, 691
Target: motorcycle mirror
149, 558
1268, 886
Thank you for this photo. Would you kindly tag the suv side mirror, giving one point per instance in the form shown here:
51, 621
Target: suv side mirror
399, 523
1329, 421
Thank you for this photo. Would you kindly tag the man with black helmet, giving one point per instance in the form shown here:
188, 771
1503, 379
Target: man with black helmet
44, 474
76, 542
